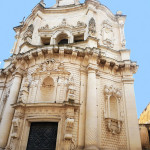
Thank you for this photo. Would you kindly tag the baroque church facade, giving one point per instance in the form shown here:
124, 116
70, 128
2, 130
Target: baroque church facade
69, 82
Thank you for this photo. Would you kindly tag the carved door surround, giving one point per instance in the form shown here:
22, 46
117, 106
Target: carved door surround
26, 114
112, 112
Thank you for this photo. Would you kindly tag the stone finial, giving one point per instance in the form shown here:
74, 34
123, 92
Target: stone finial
119, 13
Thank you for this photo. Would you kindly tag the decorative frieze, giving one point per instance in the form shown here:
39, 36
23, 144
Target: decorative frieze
46, 31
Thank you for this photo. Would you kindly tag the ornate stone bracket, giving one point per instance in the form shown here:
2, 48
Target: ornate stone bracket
15, 128
69, 123
112, 112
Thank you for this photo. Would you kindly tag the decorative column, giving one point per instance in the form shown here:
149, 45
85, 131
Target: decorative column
91, 111
9, 111
132, 120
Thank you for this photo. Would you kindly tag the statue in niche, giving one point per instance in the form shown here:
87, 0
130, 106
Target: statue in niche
92, 27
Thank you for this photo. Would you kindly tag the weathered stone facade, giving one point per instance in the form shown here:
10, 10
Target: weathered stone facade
70, 66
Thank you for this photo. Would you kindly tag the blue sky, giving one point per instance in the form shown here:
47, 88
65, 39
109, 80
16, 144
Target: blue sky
137, 31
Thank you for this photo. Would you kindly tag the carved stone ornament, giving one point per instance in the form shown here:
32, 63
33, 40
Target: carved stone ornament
112, 112
3, 102
92, 27
47, 31
24, 92
107, 34
71, 89
123, 40
15, 129
69, 123
28, 34
14, 134
48, 65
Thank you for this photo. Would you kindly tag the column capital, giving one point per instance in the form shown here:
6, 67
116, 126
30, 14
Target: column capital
18, 72
92, 67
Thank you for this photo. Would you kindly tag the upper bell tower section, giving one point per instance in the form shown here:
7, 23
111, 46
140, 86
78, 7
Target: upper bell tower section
66, 2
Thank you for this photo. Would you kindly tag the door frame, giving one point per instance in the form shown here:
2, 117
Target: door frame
26, 130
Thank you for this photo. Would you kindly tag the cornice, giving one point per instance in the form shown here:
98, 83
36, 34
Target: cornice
33, 105
93, 53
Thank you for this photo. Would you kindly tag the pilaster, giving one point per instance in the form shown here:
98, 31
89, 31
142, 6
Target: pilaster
132, 120
91, 111
9, 111
83, 95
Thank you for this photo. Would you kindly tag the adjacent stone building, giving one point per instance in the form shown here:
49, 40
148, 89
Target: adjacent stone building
144, 123
69, 82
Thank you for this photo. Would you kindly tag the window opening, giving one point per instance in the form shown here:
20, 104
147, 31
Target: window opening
45, 40
79, 38
63, 41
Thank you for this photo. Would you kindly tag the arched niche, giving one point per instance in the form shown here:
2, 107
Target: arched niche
60, 36
112, 111
48, 82
46, 92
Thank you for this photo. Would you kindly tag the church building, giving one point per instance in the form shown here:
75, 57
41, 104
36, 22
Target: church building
69, 83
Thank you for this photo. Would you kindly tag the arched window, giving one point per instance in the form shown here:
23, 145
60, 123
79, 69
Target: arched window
62, 39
